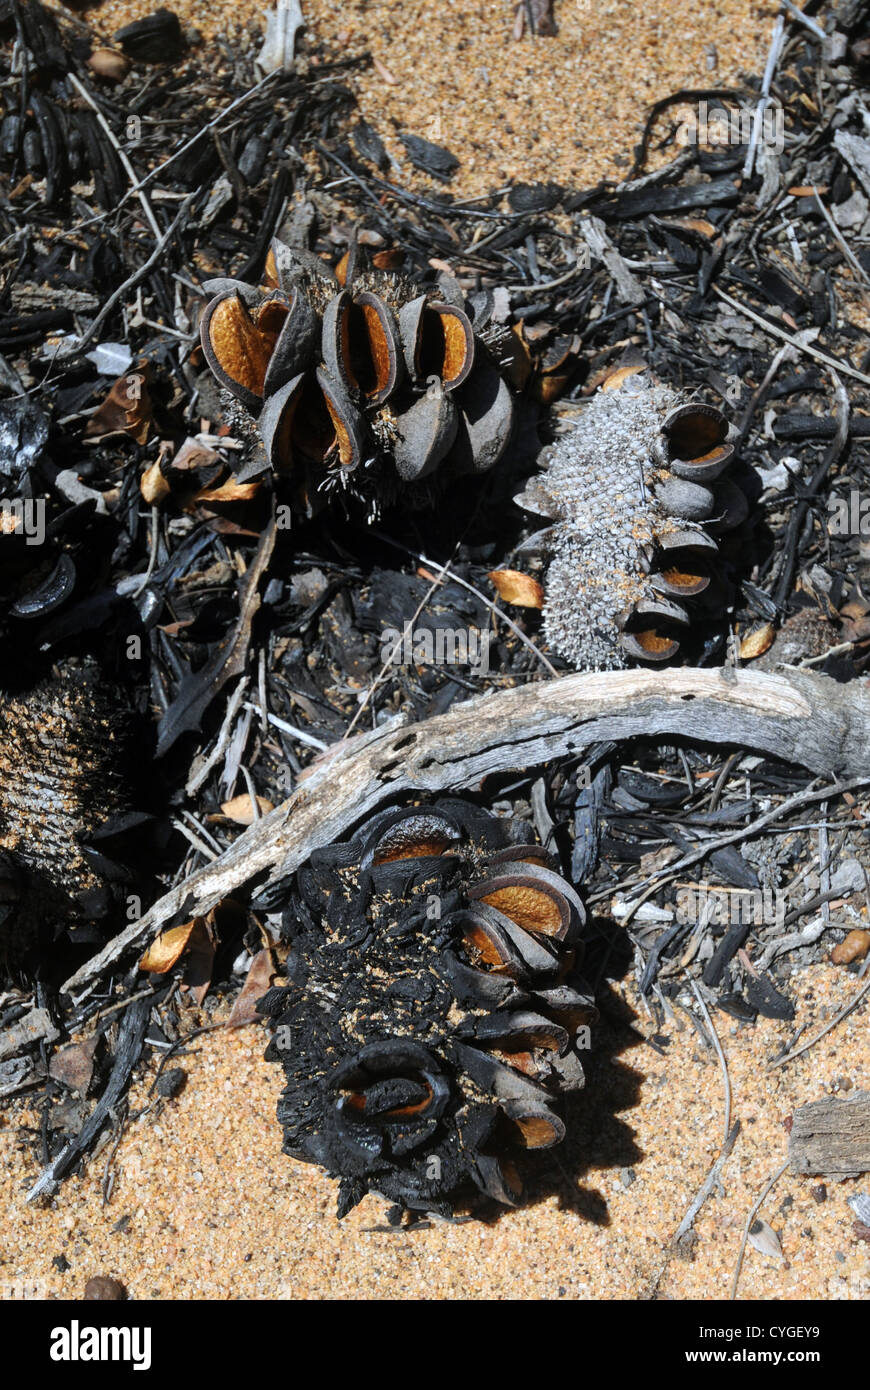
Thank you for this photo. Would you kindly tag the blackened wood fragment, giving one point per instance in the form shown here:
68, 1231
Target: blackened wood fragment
716, 193
131, 1036
198, 690
762, 994
431, 158
155, 39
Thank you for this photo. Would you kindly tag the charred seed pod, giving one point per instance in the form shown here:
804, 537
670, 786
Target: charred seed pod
431, 1020
635, 494
64, 770
363, 381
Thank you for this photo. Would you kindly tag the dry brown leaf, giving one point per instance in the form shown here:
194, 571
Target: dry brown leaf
73, 1065
516, 358
258, 982
240, 809
390, 259
191, 456
853, 947
515, 587
807, 190
126, 409
758, 642
615, 380
697, 224
163, 953
230, 491
153, 486
200, 957
549, 386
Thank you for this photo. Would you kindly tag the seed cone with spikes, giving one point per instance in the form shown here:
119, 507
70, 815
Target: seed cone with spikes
65, 769
361, 379
431, 1020
636, 495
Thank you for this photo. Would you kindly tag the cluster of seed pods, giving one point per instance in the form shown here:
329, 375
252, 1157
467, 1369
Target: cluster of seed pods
430, 1023
637, 497
359, 372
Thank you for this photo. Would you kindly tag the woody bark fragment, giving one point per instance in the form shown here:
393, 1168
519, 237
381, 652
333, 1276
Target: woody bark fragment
832, 1137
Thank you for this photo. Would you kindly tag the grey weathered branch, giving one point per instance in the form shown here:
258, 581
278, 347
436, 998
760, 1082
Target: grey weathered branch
802, 718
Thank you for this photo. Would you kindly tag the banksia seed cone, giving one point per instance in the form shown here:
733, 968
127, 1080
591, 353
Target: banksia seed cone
431, 1019
369, 382
636, 495
64, 752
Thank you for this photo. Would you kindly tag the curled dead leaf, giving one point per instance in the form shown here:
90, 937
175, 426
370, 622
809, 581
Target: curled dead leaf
230, 491
756, 643
615, 379
515, 587
153, 485
259, 981
168, 948
126, 409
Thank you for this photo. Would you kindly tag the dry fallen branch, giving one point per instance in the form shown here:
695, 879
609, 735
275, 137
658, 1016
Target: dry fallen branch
802, 718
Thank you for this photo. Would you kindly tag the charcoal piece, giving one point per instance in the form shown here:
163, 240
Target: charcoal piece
430, 158
650, 790
53, 142
252, 159
733, 868
737, 1007
534, 197
23, 434
42, 37
369, 144
10, 136
727, 948
762, 994
642, 201
430, 1025
588, 809
155, 39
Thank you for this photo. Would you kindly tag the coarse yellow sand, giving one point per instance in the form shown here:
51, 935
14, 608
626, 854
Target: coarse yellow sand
214, 1210
568, 108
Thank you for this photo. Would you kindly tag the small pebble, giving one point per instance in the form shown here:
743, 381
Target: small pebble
104, 1289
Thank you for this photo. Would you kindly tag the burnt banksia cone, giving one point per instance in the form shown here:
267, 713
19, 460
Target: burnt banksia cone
431, 1020
636, 495
65, 770
360, 379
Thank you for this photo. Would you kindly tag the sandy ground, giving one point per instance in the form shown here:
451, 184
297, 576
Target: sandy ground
568, 107
204, 1204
